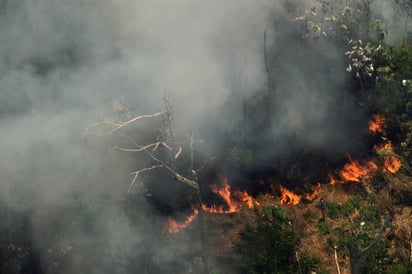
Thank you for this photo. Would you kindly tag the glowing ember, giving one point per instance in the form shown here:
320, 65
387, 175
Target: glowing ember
377, 124
354, 171
234, 202
287, 197
315, 192
175, 227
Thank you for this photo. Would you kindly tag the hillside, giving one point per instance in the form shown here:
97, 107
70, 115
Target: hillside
223, 229
219, 136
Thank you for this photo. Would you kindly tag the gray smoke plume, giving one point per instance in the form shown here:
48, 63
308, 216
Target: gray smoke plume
64, 63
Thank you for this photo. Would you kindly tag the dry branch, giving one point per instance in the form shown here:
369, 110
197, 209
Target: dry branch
136, 175
116, 125
143, 148
336, 260
180, 178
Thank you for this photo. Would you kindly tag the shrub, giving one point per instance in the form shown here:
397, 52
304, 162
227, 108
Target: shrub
270, 246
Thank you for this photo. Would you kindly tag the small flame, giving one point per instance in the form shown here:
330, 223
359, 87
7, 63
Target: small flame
234, 202
315, 192
382, 147
245, 198
288, 197
332, 179
175, 227
354, 171
391, 164
377, 124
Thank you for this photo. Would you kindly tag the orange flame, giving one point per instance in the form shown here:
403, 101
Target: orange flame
245, 198
315, 192
175, 227
380, 147
332, 179
288, 197
377, 124
234, 202
391, 164
354, 171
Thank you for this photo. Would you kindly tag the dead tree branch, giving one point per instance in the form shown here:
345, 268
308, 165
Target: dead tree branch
137, 173
179, 177
336, 260
164, 138
116, 125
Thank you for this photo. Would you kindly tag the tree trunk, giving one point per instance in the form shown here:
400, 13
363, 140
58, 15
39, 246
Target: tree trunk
354, 260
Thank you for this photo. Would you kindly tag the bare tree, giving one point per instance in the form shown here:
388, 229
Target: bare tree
164, 153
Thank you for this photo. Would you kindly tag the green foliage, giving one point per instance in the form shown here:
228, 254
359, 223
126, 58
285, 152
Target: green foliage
324, 227
376, 259
386, 71
351, 205
307, 264
401, 268
398, 263
359, 221
269, 246
332, 209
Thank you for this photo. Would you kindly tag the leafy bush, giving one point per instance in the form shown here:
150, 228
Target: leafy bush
332, 210
324, 227
270, 246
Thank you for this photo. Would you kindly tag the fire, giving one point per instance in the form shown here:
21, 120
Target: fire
245, 198
354, 171
332, 179
390, 162
315, 192
288, 197
381, 148
175, 227
234, 201
377, 124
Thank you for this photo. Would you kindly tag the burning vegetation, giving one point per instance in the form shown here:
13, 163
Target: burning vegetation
287, 197
233, 201
355, 171
176, 227
267, 139
377, 124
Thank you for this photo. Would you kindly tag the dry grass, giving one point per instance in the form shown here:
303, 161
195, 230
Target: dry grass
223, 229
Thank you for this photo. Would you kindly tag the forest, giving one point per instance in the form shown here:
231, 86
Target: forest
223, 136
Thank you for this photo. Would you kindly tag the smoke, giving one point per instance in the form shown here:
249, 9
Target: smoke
62, 65
392, 17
